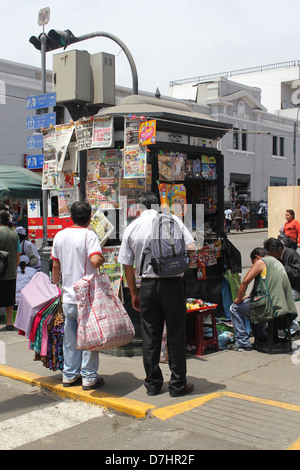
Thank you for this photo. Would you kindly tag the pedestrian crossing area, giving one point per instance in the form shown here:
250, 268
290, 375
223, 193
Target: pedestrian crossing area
37, 424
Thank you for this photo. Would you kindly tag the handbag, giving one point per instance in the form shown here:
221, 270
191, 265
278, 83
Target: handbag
4, 256
103, 322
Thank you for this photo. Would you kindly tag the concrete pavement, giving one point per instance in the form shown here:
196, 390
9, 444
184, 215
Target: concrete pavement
234, 381
249, 398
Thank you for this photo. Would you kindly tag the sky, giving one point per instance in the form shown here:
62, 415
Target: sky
168, 39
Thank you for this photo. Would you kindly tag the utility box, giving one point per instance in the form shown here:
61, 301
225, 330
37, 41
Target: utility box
72, 77
103, 79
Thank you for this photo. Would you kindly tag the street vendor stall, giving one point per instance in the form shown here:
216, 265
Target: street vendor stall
184, 168
147, 144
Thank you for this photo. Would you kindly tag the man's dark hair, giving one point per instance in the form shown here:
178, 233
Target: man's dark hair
273, 244
147, 199
258, 252
4, 217
81, 213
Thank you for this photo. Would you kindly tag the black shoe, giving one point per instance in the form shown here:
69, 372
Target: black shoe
97, 384
9, 327
189, 388
153, 392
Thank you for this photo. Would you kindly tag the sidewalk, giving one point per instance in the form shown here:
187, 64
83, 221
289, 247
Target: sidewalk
248, 230
262, 376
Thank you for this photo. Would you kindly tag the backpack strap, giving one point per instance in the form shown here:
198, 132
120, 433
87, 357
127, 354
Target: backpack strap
145, 252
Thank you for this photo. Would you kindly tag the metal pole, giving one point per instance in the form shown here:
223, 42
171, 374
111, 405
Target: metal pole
82, 173
44, 250
294, 148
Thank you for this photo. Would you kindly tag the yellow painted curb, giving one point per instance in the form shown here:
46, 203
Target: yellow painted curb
173, 410
124, 405
263, 401
295, 446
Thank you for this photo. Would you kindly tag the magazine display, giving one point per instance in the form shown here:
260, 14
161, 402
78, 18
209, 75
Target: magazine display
171, 166
101, 226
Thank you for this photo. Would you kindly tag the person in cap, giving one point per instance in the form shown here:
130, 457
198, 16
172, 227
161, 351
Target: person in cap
29, 249
24, 275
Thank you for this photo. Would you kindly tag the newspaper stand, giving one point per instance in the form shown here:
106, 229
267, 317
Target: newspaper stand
199, 340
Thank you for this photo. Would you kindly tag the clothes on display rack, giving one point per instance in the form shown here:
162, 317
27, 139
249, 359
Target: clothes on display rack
46, 337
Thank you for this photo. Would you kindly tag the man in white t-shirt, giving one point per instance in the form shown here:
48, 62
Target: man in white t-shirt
76, 252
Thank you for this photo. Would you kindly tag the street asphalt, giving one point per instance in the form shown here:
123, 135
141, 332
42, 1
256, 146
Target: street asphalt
238, 387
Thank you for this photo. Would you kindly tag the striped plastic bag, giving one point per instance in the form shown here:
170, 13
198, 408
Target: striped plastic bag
103, 322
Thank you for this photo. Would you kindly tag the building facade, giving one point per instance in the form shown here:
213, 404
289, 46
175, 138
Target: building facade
261, 150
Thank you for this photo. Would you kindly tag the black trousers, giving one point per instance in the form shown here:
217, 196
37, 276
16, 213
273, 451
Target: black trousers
163, 299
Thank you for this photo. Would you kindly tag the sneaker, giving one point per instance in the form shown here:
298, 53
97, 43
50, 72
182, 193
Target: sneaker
99, 382
295, 335
235, 347
189, 388
77, 381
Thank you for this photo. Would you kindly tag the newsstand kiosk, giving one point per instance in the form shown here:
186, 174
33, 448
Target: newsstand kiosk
173, 151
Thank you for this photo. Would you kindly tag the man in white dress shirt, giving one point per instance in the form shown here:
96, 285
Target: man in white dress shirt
160, 299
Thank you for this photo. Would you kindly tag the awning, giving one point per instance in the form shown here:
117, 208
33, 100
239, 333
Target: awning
19, 183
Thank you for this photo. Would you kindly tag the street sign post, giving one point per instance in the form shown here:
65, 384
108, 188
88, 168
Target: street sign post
34, 162
41, 120
35, 141
41, 101
44, 16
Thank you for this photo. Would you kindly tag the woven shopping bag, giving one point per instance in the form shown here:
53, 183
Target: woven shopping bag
103, 322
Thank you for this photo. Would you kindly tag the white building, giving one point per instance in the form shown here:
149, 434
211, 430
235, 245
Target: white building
260, 104
17, 82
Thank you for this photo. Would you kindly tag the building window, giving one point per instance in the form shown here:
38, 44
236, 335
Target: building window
278, 181
274, 149
244, 140
235, 144
239, 140
281, 146
278, 146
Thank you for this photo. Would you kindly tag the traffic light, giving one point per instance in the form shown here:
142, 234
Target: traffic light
54, 40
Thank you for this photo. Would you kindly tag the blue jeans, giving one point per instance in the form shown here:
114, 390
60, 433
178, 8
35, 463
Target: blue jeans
240, 316
76, 362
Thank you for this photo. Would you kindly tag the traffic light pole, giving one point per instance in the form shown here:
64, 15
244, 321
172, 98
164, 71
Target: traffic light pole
44, 250
55, 40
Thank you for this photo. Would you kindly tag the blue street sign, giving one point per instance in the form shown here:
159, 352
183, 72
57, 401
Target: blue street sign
41, 101
41, 120
35, 141
34, 162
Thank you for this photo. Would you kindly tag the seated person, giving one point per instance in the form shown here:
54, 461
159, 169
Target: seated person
24, 275
266, 270
291, 262
29, 249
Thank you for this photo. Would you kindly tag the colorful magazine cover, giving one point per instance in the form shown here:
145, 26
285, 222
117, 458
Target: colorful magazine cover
101, 226
135, 161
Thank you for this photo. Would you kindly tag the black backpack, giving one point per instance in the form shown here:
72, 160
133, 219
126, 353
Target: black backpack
167, 247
